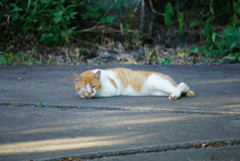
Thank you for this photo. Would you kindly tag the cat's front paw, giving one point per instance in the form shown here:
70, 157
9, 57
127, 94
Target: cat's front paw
172, 97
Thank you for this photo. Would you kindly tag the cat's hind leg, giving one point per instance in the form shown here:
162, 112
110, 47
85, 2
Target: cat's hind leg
182, 87
185, 90
163, 87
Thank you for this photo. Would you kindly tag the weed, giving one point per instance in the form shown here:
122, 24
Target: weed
165, 61
55, 106
40, 105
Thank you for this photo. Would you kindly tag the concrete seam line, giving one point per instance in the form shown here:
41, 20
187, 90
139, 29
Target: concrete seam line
150, 149
119, 108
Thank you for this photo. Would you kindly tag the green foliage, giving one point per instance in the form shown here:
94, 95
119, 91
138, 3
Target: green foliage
55, 106
48, 21
196, 23
98, 12
223, 46
208, 31
227, 44
165, 61
181, 21
10, 58
40, 105
51, 23
108, 19
91, 12
168, 14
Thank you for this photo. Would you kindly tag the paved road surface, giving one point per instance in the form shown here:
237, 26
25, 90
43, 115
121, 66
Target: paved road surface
42, 117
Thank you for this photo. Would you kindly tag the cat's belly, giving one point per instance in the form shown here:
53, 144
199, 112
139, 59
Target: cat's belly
145, 91
159, 93
129, 91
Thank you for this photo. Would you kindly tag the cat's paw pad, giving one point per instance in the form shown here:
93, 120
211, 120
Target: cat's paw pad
183, 87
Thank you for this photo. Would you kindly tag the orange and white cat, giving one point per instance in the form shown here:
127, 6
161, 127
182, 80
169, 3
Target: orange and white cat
127, 82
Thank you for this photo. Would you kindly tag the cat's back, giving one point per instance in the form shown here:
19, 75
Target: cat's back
136, 77
125, 74
127, 77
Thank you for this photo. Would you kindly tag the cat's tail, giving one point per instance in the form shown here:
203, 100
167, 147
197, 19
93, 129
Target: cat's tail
190, 93
185, 90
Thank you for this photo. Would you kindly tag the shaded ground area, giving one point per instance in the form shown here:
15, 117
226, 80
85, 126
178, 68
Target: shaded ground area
42, 117
215, 87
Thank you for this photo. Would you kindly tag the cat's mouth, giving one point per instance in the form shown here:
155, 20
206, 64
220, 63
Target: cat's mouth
86, 96
89, 96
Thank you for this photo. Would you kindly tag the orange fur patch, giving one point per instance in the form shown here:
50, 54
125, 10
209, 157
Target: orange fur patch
87, 78
136, 79
113, 82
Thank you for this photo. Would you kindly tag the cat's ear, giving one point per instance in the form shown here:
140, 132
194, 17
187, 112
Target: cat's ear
97, 75
76, 78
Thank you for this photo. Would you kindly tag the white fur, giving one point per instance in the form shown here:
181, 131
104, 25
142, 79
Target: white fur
88, 88
107, 88
80, 93
90, 92
155, 85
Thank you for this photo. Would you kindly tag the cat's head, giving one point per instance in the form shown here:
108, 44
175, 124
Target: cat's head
87, 84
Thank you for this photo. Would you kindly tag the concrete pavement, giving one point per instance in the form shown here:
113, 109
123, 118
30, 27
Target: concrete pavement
42, 117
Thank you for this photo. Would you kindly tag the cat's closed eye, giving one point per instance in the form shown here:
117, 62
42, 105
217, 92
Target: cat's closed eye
94, 86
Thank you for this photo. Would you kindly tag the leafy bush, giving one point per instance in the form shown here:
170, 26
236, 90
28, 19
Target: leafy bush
168, 14
96, 13
20, 58
222, 46
227, 44
43, 23
46, 21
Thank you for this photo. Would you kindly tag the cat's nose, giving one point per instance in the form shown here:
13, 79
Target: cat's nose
89, 93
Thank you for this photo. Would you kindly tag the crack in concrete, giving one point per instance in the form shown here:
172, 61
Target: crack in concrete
138, 150
152, 149
119, 108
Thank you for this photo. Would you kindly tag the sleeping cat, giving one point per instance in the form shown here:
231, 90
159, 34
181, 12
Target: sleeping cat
127, 82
